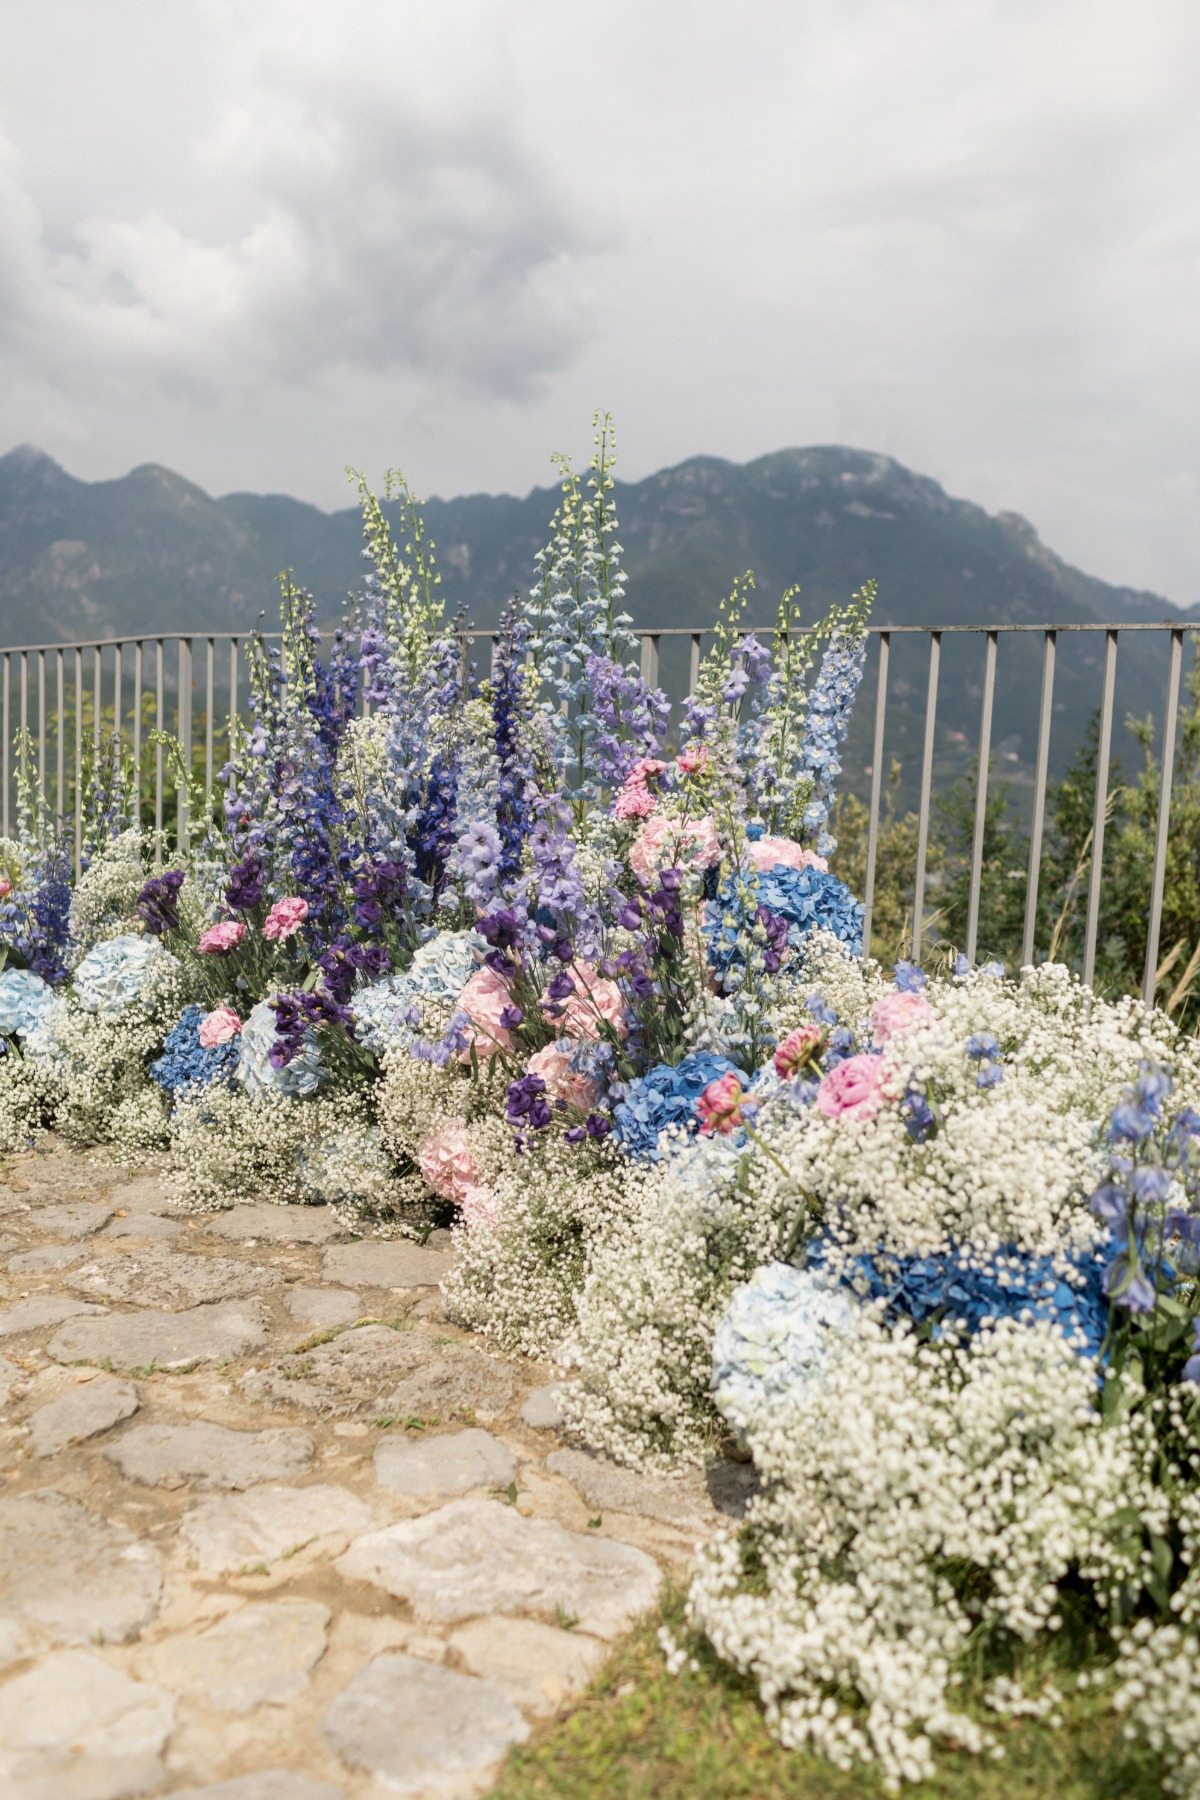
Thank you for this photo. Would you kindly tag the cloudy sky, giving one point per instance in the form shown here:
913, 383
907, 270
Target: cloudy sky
257, 240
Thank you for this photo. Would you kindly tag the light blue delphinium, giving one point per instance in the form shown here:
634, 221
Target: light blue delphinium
441, 968
110, 979
296, 1080
775, 1339
24, 997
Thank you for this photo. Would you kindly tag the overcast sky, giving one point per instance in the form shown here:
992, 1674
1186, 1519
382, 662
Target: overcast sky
259, 239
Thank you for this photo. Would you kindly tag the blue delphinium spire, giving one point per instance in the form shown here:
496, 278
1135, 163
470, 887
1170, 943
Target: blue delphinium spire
829, 707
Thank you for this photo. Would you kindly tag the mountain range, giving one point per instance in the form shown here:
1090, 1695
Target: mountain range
152, 552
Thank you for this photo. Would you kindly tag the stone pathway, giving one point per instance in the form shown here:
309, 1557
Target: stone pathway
270, 1527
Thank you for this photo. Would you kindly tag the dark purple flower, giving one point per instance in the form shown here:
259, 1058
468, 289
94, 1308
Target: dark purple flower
597, 1126
247, 883
526, 1103
511, 1017
158, 903
561, 987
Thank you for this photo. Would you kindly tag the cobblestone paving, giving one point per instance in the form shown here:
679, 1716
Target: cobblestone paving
270, 1528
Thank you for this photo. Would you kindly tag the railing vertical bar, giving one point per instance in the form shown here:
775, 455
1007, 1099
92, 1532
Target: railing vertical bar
99, 671
233, 687
118, 682
183, 719
208, 722
1163, 822
1045, 716
7, 734
1100, 815
160, 716
981, 788
935, 655
42, 723
24, 702
694, 663
78, 759
137, 730
60, 799
885, 643
650, 644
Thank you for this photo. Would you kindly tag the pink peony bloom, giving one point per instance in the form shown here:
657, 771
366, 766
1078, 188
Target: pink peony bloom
219, 939
634, 803
768, 852
853, 1089
595, 999
693, 760
447, 1161
285, 917
666, 843
479, 1208
897, 1012
719, 1107
483, 999
5, 887
553, 1064
218, 1026
796, 1050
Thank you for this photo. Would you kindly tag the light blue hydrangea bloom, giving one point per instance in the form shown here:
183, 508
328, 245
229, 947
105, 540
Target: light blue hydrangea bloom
775, 1338
343, 1165
24, 997
111, 977
297, 1080
381, 1013
44, 1037
441, 969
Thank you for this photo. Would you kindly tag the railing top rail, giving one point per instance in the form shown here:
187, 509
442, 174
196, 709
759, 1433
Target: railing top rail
656, 631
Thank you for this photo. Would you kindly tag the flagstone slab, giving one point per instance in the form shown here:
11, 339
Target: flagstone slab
228, 1533
441, 1467
10, 1376
375, 1369
73, 1218
320, 1308
39, 1311
169, 1341
170, 1279
48, 1258
209, 1455
608, 1487
420, 1728
72, 1728
145, 1227
542, 1410
84, 1412
146, 1194
480, 1556
260, 1655
67, 1575
264, 1784
539, 1666
390, 1263
268, 1224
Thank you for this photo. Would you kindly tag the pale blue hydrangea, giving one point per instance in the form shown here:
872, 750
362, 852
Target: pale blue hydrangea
297, 1080
339, 1166
110, 979
775, 1338
45, 1037
24, 997
441, 969
385, 1013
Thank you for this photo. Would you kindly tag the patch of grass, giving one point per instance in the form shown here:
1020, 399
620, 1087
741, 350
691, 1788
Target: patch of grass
641, 1734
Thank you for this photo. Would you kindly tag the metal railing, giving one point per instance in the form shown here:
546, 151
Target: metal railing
68, 690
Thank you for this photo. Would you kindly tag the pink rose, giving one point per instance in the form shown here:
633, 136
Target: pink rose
896, 1013
796, 1050
483, 999
285, 917
852, 1090
666, 843
219, 939
595, 999
479, 1208
719, 1107
218, 1026
553, 1064
768, 852
447, 1161
693, 760
5, 887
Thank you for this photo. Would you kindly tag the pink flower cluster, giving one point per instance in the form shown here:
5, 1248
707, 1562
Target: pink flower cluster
854, 1090
596, 1000
218, 940
666, 843
693, 760
768, 852
285, 918
719, 1107
447, 1161
218, 1026
896, 1013
796, 1050
483, 1000
553, 1064
635, 801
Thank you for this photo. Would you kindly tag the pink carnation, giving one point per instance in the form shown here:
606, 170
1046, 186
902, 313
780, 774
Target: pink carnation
285, 917
5, 887
719, 1107
479, 1208
853, 1089
634, 803
563, 1082
693, 760
595, 999
897, 1012
483, 999
447, 1161
218, 1026
768, 852
221, 938
666, 843
796, 1050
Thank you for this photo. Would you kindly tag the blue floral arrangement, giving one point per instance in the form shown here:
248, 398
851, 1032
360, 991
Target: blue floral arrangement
774, 1338
185, 1063
111, 977
24, 997
664, 1096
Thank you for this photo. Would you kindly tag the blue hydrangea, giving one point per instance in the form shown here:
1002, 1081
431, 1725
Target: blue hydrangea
775, 1339
662, 1097
110, 979
44, 1038
297, 1080
385, 1013
24, 997
809, 899
185, 1063
972, 1287
441, 968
